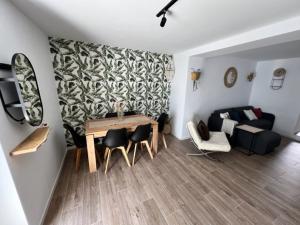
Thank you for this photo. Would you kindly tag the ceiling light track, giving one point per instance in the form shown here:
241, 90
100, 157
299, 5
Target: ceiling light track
163, 12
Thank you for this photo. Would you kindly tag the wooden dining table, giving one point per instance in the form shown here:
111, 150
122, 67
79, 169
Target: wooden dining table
99, 127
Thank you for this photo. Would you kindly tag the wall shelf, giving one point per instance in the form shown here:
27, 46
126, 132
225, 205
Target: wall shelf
32, 142
4, 66
16, 104
7, 79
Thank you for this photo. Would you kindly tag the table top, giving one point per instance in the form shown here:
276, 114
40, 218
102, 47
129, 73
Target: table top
249, 128
101, 125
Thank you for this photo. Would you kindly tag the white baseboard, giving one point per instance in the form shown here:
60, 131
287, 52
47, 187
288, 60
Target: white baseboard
53, 188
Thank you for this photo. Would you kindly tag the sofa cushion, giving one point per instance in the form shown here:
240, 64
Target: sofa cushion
265, 142
225, 115
250, 114
259, 123
242, 115
235, 115
203, 131
257, 112
219, 111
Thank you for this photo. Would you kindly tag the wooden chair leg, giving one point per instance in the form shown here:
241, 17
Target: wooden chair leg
135, 146
125, 156
129, 146
164, 140
105, 153
107, 160
78, 154
148, 148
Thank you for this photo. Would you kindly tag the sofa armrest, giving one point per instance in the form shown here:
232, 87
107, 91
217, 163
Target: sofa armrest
270, 117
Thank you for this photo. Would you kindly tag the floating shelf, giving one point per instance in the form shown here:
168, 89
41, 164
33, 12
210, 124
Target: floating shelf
4, 66
7, 79
16, 104
32, 142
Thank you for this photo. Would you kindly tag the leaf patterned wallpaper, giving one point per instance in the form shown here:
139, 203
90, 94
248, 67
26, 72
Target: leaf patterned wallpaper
29, 89
90, 78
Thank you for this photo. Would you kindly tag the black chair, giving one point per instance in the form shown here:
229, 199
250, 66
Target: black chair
129, 113
162, 119
115, 139
140, 135
109, 115
80, 143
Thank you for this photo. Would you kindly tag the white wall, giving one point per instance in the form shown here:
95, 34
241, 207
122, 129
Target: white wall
177, 97
284, 103
212, 93
11, 209
33, 174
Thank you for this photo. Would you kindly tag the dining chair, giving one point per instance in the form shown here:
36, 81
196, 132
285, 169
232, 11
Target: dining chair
140, 135
112, 114
80, 143
162, 119
129, 113
115, 139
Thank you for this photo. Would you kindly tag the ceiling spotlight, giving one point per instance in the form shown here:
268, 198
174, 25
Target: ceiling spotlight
163, 12
163, 20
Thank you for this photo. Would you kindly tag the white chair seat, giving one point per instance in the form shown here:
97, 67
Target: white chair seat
216, 143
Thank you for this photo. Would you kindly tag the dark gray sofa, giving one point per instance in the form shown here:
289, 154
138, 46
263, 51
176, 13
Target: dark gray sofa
215, 121
242, 139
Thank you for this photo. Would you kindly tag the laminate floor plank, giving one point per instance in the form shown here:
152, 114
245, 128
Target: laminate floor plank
176, 189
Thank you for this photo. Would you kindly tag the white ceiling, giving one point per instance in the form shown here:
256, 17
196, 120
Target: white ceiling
132, 23
279, 51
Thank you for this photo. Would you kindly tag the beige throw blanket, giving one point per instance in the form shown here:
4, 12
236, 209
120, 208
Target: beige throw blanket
228, 126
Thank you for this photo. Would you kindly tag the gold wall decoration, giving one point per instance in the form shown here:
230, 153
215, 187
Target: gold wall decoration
195, 76
250, 77
230, 77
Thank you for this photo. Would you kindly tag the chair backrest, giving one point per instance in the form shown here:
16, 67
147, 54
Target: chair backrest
129, 113
116, 138
194, 133
109, 115
79, 141
141, 133
161, 121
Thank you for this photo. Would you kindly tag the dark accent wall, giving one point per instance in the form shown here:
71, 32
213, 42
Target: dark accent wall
90, 78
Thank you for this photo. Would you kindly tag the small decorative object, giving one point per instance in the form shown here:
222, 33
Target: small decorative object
278, 78
230, 77
250, 77
170, 70
195, 75
120, 110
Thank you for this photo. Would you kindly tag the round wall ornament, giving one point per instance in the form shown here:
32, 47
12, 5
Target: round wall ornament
279, 72
230, 77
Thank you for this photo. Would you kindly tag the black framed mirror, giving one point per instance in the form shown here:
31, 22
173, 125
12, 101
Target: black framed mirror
28, 89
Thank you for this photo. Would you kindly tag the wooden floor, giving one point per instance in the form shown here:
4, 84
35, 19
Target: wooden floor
175, 189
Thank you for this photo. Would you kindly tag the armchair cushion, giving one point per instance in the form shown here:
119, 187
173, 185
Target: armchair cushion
203, 131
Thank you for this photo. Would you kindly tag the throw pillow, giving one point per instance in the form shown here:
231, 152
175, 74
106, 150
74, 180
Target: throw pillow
225, 115
203, 130
250, 114
257, 112
234, 115
243, 115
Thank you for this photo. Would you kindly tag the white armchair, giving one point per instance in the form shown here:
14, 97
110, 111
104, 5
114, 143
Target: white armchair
216, 143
